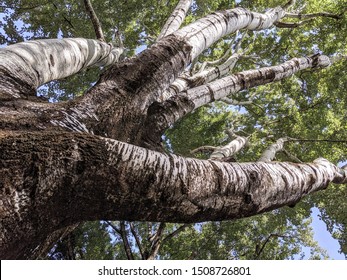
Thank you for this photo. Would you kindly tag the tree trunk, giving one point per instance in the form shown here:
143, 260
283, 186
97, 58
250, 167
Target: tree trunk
97, 157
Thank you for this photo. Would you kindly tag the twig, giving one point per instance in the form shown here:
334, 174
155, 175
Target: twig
175, 233
260, 250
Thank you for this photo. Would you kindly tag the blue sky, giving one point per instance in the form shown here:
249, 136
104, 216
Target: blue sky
321, 235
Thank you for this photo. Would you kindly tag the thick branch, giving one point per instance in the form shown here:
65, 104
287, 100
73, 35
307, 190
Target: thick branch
206, 76
162, 115
26, 66
95, 20
64, 178
204, 32
175, 20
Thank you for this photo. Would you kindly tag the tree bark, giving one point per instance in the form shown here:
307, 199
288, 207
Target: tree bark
61, 164
53, 180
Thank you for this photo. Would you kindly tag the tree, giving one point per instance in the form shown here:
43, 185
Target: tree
101, 155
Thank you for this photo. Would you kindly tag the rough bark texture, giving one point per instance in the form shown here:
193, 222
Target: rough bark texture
97, 157
163, 115
53, 180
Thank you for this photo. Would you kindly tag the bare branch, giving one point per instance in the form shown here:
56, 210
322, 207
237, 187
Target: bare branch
281, 24
185, 83
270, 153
313, 15
126, 244
95, 20
175, 20
175, 233
38, 62
203, 149
163, 115
117, 230
203, 33
230, 149
137, 239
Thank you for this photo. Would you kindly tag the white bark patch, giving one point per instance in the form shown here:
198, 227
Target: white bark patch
204, 32
176, 18
231, 84
230, 149
216, 185
71, 122
51, 59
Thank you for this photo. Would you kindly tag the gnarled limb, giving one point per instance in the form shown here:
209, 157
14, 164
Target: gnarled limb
83, 177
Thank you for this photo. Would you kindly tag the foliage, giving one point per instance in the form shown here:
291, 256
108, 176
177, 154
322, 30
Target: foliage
308, 106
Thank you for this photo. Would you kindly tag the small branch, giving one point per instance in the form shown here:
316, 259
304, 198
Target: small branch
291, 157
156, 242
126, 244
175, 20
138, 242
95, 20
313, 15
117, 230
203, 149
270, 153
260, 250
282, 24
175, 232
227, 151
